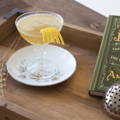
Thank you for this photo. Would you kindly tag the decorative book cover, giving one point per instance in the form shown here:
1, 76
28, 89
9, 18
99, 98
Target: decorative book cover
107, 68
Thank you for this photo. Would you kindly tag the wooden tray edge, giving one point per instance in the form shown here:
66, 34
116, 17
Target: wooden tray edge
69, 30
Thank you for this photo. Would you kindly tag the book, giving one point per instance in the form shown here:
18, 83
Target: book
107, 68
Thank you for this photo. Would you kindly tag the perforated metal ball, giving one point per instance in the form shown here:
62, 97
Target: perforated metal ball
112, 101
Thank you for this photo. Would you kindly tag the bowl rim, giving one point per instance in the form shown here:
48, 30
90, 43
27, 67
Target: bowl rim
58, 16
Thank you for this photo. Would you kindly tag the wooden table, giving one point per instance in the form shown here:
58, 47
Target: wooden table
77, 102
72, 12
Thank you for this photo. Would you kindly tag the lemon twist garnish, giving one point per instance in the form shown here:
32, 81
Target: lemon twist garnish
51, 34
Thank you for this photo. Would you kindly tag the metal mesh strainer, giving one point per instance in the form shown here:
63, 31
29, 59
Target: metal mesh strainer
112, 101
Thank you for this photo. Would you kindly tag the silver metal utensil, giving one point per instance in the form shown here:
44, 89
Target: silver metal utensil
112, 101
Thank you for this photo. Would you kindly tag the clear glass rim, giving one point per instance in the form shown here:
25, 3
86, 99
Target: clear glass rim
58, 16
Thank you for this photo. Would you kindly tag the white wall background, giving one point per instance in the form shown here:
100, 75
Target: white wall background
104, 7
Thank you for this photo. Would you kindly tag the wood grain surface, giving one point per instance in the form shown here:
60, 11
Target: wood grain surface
66, 101
73, 12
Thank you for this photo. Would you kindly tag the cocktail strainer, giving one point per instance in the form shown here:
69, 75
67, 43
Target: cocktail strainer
112, 101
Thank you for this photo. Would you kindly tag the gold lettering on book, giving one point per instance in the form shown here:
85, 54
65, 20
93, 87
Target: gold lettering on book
117, 38
117, 76
112, 75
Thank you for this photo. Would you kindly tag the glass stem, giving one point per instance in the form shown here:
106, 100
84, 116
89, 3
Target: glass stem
43, 52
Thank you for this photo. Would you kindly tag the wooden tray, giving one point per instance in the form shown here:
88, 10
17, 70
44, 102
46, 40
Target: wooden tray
66, 101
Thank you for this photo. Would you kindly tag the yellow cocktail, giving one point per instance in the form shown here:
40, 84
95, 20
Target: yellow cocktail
30, 24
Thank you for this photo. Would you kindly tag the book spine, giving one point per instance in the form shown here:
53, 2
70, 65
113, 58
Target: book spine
101, 54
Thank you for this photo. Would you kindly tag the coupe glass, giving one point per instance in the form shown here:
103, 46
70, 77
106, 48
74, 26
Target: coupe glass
29, 25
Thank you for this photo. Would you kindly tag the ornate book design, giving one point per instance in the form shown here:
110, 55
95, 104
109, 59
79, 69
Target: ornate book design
107, 68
